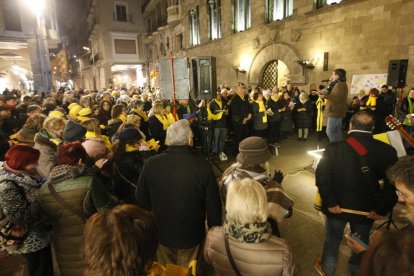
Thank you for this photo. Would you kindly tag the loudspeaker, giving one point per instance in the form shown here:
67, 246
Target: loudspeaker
181, 77
397, 73
203, 77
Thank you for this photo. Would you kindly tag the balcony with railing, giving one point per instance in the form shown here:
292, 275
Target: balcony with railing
174, 14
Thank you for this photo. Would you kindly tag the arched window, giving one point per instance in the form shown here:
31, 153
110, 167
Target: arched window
214, 19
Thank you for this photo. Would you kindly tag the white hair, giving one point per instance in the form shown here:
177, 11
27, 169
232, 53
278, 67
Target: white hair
179, 133
246, 202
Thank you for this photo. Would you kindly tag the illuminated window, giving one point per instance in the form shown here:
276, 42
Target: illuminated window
278, 9
324, 3
194, 27
214, 18
241, 15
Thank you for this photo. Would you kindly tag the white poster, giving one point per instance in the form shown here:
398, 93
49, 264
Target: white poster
367, 82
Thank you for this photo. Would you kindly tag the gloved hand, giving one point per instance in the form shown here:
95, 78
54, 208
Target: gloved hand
278, 176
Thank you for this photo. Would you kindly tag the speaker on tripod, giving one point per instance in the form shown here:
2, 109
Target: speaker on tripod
397, 73
203, 77
181, 79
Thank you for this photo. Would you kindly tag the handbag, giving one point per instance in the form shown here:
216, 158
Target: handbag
12, 235
230, 256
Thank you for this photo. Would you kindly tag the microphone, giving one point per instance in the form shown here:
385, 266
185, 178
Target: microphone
325, 80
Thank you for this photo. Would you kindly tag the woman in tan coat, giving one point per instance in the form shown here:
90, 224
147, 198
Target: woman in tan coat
253, 250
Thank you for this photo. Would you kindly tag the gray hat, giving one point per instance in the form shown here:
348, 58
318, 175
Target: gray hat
253, 151
73, 132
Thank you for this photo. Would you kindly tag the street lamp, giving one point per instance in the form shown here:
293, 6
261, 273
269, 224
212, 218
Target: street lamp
37, 6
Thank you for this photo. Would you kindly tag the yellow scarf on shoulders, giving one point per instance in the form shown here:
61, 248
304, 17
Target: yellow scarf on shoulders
372, 101
141, 113
123, 118
262, 108
170, 118
218, 116
162, 120
130, 148
107, 142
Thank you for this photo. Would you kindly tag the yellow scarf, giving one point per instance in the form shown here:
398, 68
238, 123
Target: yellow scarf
123, 118
107, 142
170, 118
130, 148
372, 101
319, 117
141, 113
262, 108
215, 117
162, 120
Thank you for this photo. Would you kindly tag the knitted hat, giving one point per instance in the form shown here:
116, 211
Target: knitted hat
129, 134
56, 113
95, 149
20, 156
85, 111
73, 132
253, 151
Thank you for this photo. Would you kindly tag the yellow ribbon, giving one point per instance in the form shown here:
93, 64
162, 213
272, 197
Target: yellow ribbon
162, 120
262, 108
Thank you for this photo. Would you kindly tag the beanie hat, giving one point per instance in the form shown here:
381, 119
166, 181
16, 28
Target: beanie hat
73, 132
85, 111
20, 156
253, 151
129, 134
56, 113
95, 149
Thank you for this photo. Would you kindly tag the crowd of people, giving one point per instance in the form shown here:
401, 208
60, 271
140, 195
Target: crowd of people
115, 174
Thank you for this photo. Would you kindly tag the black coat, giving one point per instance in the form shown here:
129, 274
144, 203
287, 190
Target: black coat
341, 182
156, 130
275, 106
181, 189
127, 172
303, 119
215, 109
240, 109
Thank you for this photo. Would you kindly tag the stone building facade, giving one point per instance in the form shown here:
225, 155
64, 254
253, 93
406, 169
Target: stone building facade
303, 41
112, 52
25, 41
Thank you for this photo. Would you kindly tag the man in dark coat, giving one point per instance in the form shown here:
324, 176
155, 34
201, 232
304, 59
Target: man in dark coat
342, 185
181, 189
241, 114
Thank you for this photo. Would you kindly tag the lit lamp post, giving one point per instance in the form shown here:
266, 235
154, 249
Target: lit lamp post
37, 7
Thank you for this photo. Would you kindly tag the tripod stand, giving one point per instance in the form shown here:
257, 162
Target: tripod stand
387, 224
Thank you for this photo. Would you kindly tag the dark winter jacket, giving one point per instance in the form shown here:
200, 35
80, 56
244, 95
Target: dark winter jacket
303, 119
127, 172
275, 106
240, 108
181, 189
341, 182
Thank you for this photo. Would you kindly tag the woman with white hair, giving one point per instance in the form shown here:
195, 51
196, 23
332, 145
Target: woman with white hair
244, 245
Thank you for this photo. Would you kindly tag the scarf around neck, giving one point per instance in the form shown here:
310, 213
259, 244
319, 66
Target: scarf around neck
162, 120
248, 233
